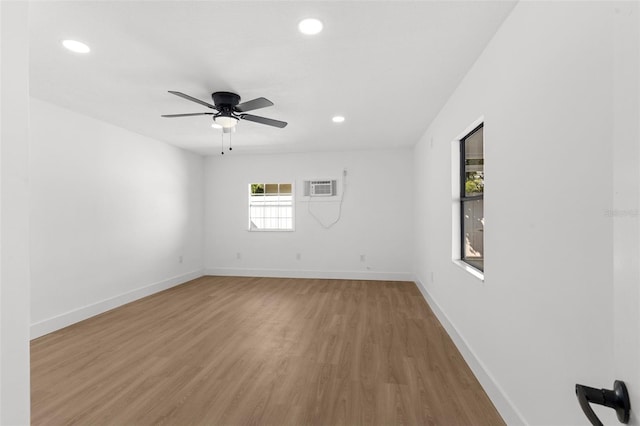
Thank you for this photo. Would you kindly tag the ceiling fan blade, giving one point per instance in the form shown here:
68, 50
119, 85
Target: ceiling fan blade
192, 99
253, 104
263, 120
186, 115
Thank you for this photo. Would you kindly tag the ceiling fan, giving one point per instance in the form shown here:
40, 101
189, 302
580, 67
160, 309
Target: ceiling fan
228, 110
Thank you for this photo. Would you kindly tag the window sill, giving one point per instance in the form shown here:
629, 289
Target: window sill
270, 230
470, 269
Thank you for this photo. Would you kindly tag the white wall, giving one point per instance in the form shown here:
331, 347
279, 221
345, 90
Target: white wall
376, 216
542, 320
14, 214
626, 201
112, 213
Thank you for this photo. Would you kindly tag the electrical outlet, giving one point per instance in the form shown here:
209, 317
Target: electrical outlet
363, 258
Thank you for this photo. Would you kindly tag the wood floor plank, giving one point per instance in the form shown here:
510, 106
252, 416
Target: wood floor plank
259, 351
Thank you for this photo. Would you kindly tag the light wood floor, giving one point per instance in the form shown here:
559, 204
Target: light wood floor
259, 351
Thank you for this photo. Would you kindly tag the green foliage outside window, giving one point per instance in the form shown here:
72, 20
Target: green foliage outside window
257, 188
474, 183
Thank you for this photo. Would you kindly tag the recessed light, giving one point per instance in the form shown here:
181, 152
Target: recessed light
338, 119
310, 26
76, 46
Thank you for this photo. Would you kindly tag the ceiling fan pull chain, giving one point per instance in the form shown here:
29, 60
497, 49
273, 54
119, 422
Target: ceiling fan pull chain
222, 143
230, 142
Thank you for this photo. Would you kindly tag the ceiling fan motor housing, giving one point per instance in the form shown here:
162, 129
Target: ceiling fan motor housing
225, 99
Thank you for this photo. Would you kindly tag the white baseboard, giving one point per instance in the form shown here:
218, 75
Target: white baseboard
292, 273
500, 399
49, 325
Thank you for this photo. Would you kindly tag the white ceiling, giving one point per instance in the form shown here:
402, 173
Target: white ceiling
387, 66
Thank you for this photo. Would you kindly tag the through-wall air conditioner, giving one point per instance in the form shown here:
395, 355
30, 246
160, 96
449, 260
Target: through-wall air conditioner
319, 188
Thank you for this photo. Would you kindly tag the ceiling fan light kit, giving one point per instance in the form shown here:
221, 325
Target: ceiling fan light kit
226, 121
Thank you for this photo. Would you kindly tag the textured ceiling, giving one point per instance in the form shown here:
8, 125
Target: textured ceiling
387, 66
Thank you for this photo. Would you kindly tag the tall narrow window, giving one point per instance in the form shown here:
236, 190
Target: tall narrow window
270, 207
472, 198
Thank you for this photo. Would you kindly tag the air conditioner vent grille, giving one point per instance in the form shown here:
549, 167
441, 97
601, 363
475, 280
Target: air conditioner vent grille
319, 188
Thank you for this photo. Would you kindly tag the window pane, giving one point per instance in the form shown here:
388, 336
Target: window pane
474, 163
271, 188
257, 188
285, 188
473, 232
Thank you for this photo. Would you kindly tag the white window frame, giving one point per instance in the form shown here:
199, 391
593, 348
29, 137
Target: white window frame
456, 239
251, 202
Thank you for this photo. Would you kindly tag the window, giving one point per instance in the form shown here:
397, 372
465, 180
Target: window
472, 198
270, 207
